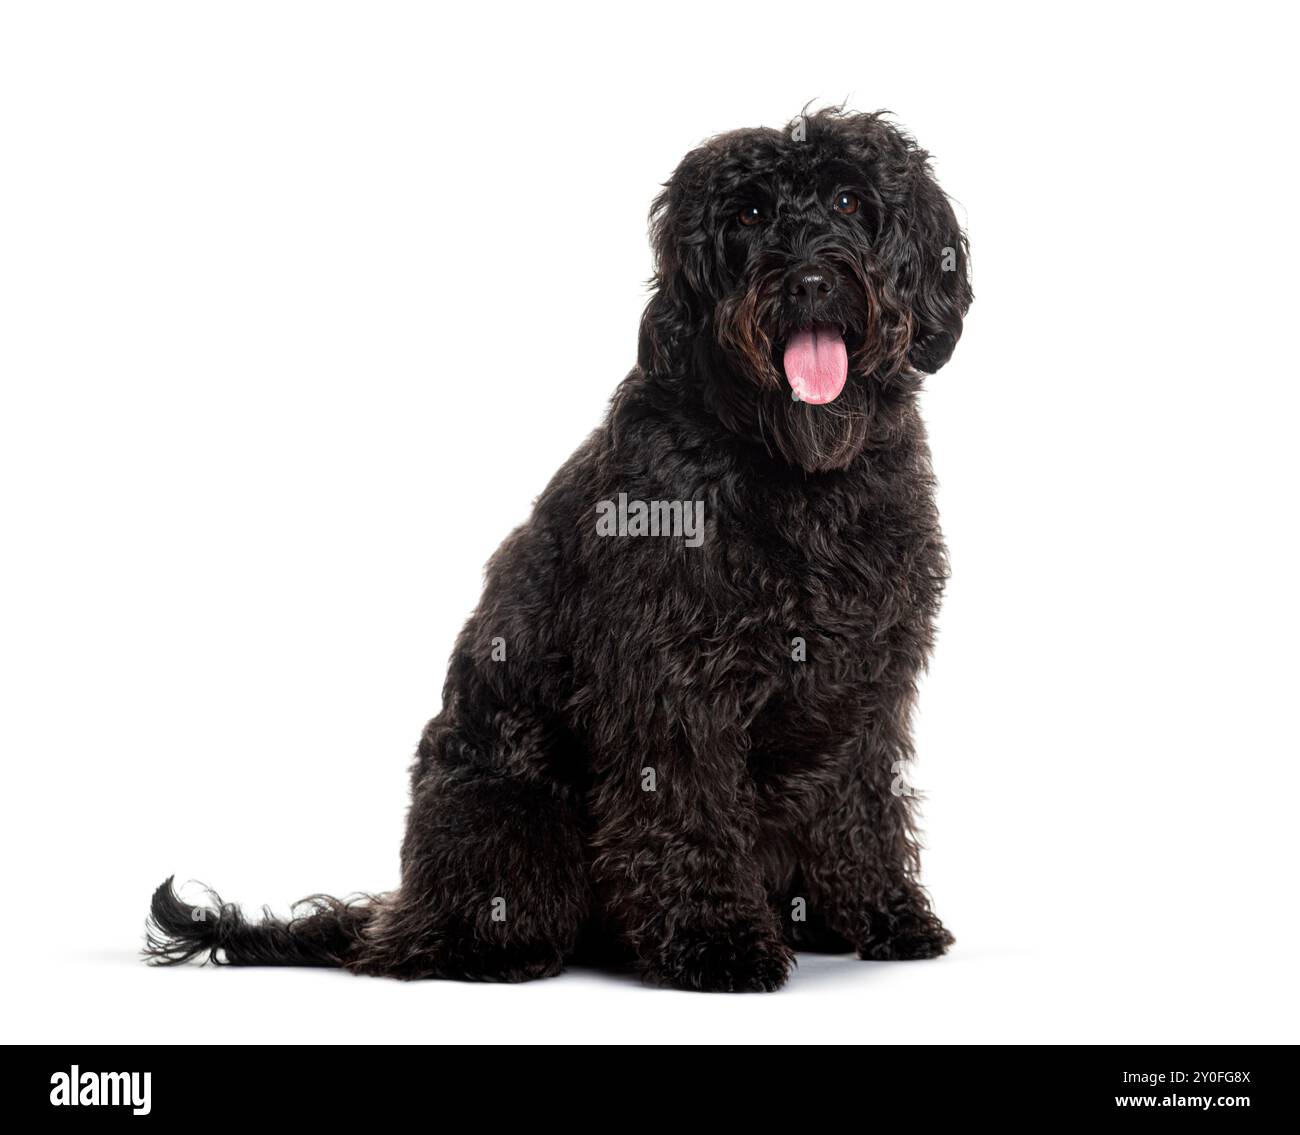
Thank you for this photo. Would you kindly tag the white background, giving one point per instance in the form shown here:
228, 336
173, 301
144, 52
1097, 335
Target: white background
302, 304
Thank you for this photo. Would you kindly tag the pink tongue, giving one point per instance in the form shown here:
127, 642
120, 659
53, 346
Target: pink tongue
816, 364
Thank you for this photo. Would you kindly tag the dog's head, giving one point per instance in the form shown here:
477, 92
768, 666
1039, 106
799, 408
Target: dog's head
804, 275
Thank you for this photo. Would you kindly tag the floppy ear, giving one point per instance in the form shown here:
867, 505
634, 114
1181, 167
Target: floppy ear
678, 234
929, 256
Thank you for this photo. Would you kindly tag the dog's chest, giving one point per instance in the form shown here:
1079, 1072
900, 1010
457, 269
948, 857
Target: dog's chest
826, 606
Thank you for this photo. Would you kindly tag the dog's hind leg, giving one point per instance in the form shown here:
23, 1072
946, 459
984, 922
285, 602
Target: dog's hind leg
494, 880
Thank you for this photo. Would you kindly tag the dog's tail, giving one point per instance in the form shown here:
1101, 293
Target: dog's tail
323, 931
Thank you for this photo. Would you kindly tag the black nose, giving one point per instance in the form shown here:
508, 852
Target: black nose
809, 284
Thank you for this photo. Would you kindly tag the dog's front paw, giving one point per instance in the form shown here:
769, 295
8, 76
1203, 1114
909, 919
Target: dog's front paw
742, 958
908, 935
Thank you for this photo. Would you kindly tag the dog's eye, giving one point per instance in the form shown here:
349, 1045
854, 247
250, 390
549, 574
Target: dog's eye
750, 215
846, 203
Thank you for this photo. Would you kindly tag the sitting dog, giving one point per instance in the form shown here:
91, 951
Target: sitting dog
672, 732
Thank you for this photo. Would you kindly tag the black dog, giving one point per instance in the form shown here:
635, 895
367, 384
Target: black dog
681, 752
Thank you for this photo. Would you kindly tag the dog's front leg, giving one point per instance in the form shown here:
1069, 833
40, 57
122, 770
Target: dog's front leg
864, 858
675, 869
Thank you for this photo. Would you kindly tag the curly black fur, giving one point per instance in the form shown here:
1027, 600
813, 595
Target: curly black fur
655, 773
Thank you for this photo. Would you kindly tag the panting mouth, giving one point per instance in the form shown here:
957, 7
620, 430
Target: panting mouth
816, 363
